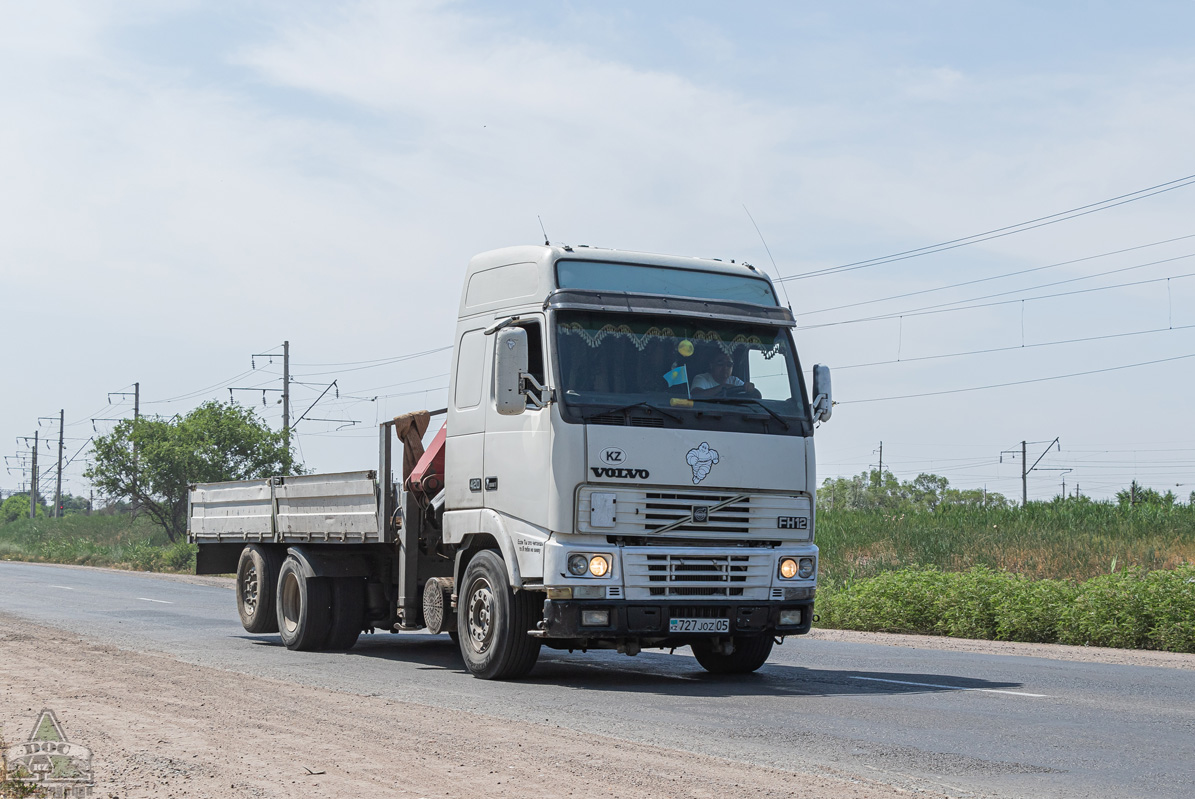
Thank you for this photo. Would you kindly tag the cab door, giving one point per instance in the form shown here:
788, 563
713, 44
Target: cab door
517, 462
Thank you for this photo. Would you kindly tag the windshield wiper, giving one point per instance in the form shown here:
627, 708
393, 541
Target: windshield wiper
740, 400
644, 403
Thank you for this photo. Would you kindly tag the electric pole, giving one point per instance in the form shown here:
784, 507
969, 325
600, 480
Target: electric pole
286, 407
286, 463
33, 481
1024, 477
58, 489
1026, 469
136, 415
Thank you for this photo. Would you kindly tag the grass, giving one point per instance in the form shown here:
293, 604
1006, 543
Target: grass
115, 541
1072, 572
1060, 540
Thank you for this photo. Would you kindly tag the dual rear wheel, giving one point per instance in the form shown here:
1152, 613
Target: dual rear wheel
276, 595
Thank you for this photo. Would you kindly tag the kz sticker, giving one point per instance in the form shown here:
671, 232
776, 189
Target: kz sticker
701, 460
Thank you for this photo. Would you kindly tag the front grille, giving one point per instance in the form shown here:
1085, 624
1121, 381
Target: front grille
643, 511
620, 420
706, 575
698, 612
682, 591
664, 508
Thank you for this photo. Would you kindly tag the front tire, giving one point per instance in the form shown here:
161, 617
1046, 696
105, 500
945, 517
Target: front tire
304, 608
257, 579
749, 654
493, 620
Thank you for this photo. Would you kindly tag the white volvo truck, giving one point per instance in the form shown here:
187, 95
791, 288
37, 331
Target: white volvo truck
627, 462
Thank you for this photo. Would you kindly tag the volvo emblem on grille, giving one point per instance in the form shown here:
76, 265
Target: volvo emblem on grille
701, 514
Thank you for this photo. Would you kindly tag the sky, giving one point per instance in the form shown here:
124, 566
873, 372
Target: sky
186, 185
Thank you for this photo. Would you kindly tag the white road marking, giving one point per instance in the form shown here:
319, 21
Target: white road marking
163, 601
63, 587
953, 687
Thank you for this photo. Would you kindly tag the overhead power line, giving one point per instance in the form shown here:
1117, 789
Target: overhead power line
995, 277
996, 233
1016, 382
934, 309
1014, 347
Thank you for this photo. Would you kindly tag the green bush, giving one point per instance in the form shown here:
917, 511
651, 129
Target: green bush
1133, 609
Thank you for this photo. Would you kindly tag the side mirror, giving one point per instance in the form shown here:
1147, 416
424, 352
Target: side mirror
823, 401
510, 363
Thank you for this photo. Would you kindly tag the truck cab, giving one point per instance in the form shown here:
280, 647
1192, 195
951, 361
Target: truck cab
632, 433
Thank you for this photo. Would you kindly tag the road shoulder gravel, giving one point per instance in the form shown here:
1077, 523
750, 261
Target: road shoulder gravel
162, 727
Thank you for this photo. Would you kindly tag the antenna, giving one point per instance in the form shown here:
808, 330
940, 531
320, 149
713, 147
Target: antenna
768, 249
545, 232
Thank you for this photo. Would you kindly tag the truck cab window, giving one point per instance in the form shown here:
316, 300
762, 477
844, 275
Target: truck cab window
535, 350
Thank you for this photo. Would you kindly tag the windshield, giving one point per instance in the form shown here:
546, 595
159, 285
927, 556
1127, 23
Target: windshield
675, 372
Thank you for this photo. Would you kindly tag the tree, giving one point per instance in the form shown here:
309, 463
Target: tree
17, 507
872, 491
1136, 495
212, 443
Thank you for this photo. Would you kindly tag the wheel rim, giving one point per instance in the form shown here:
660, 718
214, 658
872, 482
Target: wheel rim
290, 602
249, 590
481, 615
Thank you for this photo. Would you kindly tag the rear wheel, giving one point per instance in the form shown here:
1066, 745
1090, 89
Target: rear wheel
304, 608
348, 612
257, 578
748, 655
493, 620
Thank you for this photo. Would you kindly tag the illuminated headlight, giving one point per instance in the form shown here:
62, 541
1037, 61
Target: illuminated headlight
806, 569
578, 565
595, 618
790, 618
599, 566
788, 568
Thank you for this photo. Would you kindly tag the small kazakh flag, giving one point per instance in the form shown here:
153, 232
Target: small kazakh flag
678, 376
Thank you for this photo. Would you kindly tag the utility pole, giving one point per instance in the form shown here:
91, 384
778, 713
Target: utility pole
1026, 469
286, 426
33, 481
881, 480
1024, 476
286, 407
136, 415
58, 489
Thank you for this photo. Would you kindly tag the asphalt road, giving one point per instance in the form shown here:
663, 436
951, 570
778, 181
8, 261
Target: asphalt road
959, 722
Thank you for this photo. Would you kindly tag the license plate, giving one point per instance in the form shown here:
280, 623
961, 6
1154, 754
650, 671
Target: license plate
699, 625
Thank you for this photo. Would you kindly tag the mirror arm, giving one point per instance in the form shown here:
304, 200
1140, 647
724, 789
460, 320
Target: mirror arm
494, 328
536, 394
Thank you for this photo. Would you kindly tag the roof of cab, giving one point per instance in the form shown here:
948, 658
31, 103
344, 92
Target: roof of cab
544, 254
497, 291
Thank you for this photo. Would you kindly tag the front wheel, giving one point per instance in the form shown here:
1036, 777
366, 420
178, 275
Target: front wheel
748, 655
493, 621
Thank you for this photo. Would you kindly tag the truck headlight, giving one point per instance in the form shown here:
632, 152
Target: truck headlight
806, 568
578, 565
599, 566
788, 568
